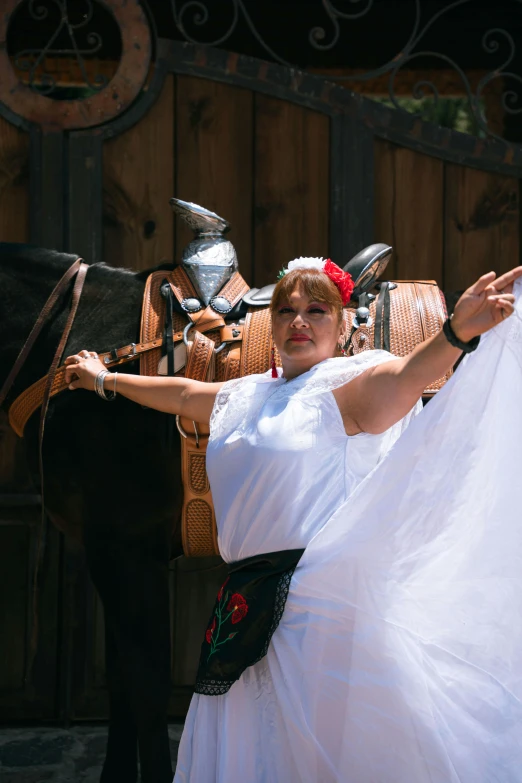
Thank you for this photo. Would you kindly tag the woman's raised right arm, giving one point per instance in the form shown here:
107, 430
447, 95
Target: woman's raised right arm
183, 396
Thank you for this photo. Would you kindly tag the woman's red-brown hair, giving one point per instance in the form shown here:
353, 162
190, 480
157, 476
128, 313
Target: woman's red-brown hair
315, 285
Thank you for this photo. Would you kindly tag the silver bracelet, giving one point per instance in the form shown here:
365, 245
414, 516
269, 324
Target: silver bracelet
100, 389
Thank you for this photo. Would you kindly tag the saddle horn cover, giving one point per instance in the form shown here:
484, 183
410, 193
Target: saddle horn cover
209, 260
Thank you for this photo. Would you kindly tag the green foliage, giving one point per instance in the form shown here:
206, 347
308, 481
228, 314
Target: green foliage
454, 113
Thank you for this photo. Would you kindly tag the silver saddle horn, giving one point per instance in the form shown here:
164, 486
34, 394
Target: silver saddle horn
209, 260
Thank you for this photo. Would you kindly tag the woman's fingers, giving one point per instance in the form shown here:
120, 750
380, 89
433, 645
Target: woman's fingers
81, 369
506, 280
482, 283
81, 356
502, 284
504, 304
507, 307
501, 297
71, 371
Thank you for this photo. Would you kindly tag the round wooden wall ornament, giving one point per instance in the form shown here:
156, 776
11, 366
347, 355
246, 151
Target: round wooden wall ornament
100, 107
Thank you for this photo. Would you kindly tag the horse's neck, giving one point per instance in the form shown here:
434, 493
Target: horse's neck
108, 314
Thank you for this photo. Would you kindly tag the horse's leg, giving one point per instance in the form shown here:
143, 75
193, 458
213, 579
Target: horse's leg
131, 575
121, 758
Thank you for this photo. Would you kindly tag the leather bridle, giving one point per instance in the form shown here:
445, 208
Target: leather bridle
77, 270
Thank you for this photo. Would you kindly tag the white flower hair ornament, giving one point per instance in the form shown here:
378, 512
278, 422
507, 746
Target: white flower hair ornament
343, 280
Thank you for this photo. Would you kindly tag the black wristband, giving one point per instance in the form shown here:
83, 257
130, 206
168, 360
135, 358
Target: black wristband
452, 338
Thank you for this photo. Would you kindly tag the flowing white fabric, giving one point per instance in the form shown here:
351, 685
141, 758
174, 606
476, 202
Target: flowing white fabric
399, 655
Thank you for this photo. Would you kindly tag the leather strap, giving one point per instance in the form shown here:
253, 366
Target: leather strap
232, 363
200, 356
198, 527
30, 400
59, 288
235, 289
153, 321
231, 334
382, 318
132, 351
80, 270
257, 342
198, 523
182, 287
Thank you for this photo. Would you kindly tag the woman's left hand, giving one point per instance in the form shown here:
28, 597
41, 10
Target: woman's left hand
485, 304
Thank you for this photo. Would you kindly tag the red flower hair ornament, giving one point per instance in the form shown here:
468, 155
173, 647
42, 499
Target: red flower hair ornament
343, 280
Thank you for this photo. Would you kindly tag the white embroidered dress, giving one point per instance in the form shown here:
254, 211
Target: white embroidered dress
398, 658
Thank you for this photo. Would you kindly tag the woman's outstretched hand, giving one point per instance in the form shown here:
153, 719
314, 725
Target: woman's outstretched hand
484, 304
82, 369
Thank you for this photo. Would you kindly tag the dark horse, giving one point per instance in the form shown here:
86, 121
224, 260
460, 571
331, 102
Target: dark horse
109, 477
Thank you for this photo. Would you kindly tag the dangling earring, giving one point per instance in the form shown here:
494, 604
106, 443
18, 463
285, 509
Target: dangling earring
273, 364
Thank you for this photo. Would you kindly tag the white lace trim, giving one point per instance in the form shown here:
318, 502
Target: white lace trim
333, 373
239, 401
221, 402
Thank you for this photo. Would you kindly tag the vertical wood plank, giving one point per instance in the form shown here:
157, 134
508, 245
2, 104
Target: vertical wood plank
291, 186
14, 183
138, 181
47, 189
214, 151
351, 187
409, 193
194, 586
85, 196
482, 225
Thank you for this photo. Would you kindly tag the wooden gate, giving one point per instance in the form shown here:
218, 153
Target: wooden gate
299, 166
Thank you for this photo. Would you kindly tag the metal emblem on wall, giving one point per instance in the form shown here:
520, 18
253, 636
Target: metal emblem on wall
196, 19
36, 98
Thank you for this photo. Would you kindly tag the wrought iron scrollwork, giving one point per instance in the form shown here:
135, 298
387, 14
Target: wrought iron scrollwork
32, 60
193, 15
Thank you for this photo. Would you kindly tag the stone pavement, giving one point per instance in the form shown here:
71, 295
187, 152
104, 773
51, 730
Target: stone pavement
50, 755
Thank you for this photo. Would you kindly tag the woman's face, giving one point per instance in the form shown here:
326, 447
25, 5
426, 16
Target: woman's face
305, 332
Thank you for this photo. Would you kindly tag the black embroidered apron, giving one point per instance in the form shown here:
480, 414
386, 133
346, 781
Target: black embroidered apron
247, 611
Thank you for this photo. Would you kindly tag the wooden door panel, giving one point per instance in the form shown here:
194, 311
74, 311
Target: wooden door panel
409, 208
214, 159
14, 183
194, 586
481, 225
138, 181
291, 186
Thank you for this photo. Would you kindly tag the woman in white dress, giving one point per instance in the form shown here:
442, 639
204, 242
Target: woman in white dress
398, 656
